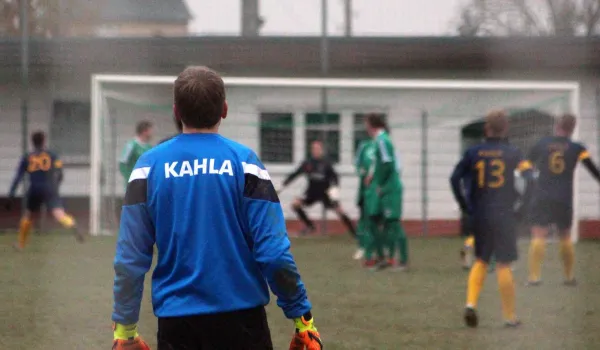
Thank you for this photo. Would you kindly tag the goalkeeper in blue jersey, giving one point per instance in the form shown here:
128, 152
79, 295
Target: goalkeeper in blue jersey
209, 206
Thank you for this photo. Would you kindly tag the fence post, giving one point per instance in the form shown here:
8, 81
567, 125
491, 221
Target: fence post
424, 176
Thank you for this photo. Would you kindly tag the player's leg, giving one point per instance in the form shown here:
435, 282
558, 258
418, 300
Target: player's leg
298, 207
401, 234
505, 253
466, 253
54, 203
541, 218
361, 233
342, 215
483, 252
567, 249
33, 203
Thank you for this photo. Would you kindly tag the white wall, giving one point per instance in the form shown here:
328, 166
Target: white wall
449, 111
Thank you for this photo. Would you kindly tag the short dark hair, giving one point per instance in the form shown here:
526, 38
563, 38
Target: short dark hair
199, 95
38, 139
143, 126
377, 121
567, 123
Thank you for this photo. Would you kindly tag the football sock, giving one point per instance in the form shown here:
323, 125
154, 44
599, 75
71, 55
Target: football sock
349, 225
67, 221
379, 237
390, 228
536, 256
506, 286
302, 215
475, 283
567, 253
402, 244
469, 242
361, 232
24, 228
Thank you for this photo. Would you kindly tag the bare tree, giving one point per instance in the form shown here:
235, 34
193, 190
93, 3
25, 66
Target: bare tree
529, 18
47, 18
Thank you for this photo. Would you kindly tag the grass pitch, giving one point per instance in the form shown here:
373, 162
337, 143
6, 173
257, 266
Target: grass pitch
58, 295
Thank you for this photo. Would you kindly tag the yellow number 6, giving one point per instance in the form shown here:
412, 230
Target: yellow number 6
556, 162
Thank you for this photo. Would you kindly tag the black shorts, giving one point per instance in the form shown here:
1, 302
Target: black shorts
549, 212
36, 198
496, 236
236, 330
311, 198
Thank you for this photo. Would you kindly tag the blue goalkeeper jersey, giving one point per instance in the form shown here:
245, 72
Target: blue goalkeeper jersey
209, 206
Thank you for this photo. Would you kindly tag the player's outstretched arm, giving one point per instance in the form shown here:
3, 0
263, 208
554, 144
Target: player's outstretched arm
133, 259
266, 225
584, 156
460, 171
291, 177
18, 177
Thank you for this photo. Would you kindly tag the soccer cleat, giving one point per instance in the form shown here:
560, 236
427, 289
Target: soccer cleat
384, 264
570, 283
307, 230
359, 254
533, 283
17, 247
370, 264
512, 324
471, 319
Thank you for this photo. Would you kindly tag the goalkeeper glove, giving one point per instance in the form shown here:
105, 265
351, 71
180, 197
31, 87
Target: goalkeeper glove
126, 337
306, 336
333, 193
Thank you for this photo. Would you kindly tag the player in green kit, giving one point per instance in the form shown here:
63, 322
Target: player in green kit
364, 157
384, 195
134, 148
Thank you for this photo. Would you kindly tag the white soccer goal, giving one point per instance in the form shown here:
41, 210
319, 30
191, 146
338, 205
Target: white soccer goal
278, 117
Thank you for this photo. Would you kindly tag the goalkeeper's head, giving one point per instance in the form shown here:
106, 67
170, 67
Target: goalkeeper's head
199, 100
565, 125
496, 124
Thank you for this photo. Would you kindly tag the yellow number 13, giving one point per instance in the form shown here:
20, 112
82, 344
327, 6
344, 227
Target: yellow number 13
496, 179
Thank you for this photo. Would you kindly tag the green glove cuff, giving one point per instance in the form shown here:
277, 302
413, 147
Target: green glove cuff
125, 332
305, 323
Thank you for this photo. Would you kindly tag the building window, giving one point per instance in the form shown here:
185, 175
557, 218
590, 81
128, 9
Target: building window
277, 137
325, 128
70, 130
360, 133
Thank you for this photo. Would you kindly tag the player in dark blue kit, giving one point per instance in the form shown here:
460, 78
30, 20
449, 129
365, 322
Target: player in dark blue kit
209, 206
555, 158
483, 184
45, 175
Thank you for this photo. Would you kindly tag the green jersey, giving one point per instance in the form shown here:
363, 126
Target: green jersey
131, 153
385, 168
365, 155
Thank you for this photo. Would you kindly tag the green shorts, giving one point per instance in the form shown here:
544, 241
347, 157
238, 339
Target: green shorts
391, 205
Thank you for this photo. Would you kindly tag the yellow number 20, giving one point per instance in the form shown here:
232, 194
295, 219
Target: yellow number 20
556, 163
39, 162
496, 173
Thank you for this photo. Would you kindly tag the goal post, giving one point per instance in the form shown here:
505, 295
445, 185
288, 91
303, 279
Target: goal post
428, 150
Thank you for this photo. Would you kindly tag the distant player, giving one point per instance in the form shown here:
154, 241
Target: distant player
45, 174
383, 196
209, 206
555, 158
487, 174
322, 187
135, 147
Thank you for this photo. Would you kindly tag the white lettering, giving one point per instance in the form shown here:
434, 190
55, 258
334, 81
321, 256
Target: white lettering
198, 166
186, 169
170, 170
226, 168
212, 169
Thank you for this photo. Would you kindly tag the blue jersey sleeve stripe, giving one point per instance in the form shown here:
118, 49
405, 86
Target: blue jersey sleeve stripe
136, 192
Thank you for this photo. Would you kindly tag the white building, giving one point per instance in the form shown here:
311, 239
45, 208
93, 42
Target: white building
259, 117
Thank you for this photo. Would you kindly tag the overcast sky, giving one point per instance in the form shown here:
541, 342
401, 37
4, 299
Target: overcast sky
302, 17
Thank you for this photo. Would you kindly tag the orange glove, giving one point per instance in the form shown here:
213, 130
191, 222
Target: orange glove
126, 337
306, 336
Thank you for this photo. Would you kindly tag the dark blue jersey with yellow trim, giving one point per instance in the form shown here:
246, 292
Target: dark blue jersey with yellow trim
485, 176
43, 168
555, 159
209, 206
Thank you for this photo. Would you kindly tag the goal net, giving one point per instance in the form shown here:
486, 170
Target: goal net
431, 124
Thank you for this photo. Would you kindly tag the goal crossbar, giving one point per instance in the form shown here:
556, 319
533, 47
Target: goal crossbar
97, 96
